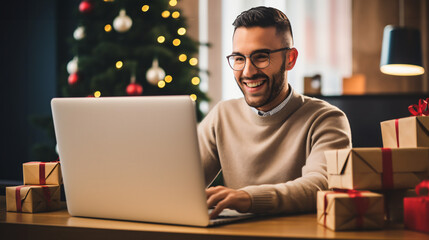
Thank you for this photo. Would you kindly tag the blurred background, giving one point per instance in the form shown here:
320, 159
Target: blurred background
339, 44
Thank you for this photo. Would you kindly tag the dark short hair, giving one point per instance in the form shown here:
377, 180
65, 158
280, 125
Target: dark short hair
265, 17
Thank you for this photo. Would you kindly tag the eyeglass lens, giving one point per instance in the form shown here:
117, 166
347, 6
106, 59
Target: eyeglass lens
259, 60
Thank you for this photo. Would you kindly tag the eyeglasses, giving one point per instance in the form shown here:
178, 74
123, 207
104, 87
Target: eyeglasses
260, 59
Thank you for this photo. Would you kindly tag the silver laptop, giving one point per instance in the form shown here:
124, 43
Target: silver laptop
132, 158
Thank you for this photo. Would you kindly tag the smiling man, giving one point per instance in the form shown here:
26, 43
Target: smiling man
270, 144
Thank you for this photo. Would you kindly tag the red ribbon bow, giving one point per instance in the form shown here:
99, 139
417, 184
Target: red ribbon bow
421, 109
423, 188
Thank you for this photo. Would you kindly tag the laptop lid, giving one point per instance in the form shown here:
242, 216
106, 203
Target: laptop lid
131, 158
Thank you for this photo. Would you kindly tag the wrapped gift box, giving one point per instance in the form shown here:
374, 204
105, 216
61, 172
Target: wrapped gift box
42, 173
33, 198
377, 168
350, 210
416, 209
409, 132
416, 213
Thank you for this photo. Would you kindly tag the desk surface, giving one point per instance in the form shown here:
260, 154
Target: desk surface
60, 225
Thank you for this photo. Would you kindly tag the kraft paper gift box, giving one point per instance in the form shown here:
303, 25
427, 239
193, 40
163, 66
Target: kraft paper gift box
377, 168
406, 132
42, 173
34, 198
416, 209
350, 210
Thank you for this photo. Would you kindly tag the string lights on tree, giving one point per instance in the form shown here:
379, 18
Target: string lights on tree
111, 53
126, 47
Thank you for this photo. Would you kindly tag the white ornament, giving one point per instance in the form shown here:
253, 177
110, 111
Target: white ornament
72, 66
155, 73
123, 22
79, 33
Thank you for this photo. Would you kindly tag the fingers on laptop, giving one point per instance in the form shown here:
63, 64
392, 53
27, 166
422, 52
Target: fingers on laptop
221, 197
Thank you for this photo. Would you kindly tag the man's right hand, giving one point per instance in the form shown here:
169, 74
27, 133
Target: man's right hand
221, 197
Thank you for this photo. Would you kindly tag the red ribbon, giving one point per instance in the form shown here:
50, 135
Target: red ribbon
360, 202
18, 198
46, 194
42, 178
421, 109
424, 185
387, 175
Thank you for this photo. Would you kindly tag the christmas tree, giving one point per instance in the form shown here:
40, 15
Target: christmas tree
130, 48
126, 48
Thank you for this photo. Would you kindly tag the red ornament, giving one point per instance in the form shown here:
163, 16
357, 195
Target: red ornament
73, 78
134, 89
85, 6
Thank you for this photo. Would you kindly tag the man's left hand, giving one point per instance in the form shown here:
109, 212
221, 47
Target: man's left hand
221, 197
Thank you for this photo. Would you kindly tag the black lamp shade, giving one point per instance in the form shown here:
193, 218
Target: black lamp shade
401, 52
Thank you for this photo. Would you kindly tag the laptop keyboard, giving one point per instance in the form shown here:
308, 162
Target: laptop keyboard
227, 216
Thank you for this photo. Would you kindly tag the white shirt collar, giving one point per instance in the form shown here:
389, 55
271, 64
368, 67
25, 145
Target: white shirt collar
276, 109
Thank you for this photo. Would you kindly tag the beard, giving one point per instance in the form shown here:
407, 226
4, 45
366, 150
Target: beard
276, 85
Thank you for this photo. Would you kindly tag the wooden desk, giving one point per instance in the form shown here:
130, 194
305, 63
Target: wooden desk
60, 225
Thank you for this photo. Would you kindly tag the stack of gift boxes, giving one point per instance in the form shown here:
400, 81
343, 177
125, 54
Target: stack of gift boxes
375, 186
41, 189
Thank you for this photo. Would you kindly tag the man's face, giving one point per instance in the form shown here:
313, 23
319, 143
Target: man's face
263, 88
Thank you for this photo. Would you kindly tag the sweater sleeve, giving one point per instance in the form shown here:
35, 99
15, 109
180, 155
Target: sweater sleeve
329, 130
208, 147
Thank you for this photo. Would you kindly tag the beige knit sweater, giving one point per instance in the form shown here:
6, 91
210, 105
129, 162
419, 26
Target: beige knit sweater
279, 160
